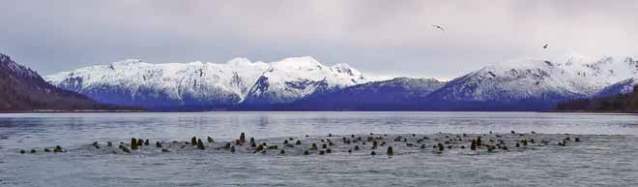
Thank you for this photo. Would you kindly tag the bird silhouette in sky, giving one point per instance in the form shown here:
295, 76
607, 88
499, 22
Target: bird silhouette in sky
439, 27
545, 46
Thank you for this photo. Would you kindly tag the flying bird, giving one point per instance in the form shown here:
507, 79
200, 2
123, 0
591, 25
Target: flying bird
545, 46
439, 27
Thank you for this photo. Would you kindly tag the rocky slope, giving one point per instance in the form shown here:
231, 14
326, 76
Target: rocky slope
22, 89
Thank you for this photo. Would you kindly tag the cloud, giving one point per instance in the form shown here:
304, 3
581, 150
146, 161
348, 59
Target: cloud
382, 37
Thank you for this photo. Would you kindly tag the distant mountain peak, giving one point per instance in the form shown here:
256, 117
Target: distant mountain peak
241, 61
4, 58
299, 61
11, 66
127, 62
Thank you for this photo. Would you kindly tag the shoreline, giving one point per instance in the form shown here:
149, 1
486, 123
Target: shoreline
197, 111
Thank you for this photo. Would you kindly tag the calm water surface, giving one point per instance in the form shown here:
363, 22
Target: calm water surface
610, 158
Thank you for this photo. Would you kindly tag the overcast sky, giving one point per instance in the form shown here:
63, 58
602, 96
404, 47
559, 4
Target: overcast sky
379, 37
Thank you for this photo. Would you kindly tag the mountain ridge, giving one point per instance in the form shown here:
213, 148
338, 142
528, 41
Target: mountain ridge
206, 85
24, 90
302, 83
535, 85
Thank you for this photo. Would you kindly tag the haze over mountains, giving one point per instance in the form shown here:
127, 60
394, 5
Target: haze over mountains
305, 84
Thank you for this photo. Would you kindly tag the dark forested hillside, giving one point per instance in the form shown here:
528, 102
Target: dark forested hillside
22, 89
618, 103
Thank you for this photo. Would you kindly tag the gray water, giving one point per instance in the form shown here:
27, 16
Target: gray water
608, 156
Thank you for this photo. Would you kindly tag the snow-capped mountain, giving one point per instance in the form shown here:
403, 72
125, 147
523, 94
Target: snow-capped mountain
203, 84
396, 94
533, 84
304, 83
293, 78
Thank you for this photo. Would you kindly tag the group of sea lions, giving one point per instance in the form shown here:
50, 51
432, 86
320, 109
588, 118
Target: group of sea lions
371, 144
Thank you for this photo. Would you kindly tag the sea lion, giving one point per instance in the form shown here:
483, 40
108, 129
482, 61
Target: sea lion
200, 144
390, 151
133, 143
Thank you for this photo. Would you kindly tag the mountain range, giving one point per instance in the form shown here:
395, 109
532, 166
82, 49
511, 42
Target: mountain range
203, 85
533, 84
302, 83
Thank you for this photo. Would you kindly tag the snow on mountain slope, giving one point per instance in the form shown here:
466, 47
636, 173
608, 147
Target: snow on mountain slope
199, 84
539, 82
293, 78
516, 85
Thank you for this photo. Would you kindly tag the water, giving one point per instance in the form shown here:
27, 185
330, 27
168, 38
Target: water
607, 157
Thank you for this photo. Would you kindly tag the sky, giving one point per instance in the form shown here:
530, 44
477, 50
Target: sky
391, 38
